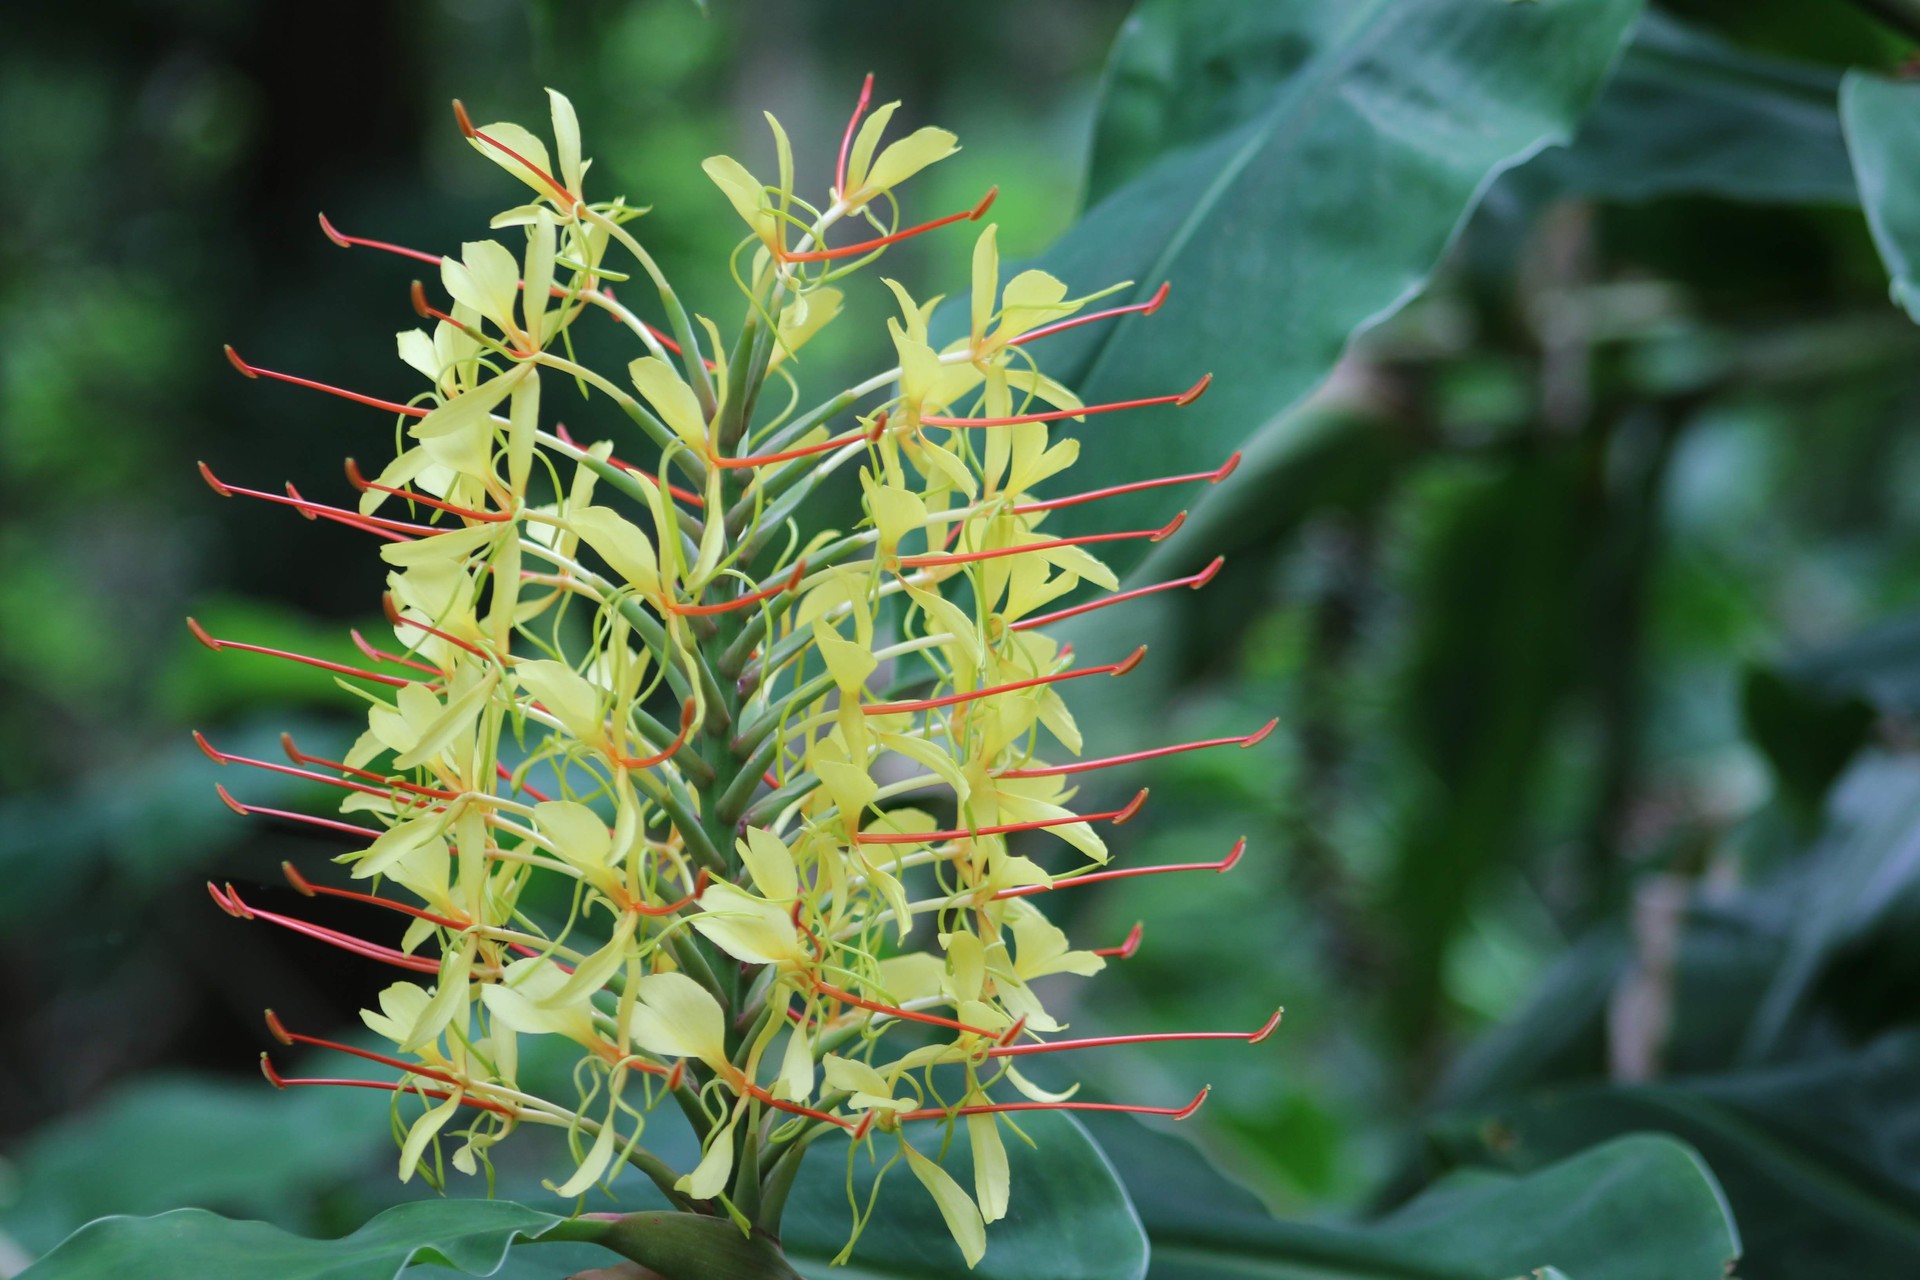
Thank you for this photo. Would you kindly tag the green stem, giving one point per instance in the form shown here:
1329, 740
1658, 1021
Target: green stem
686, 1246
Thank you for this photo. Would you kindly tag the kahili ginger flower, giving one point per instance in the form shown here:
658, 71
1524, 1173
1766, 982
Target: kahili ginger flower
787, 775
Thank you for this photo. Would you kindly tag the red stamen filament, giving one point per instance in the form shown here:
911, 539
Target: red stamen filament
222, 757
506, 775
255, 371
1161, 1037
353, 520
1125, 950
310, 509
216, 644
685, 495
1146, 308
381, 655
1095, 877
348, 242
260, 811
689, 711
791, 583
363, 484
300, 757
869, 434
1085, 766
1195, 580
880, 242
993, 1108
928, 704
278, 1031
308, 888
912, 1015
1186, 397
846, 139
231, 904
1117, 817
393, 616
1048, 544
568, 199
282, 1082
1093, 495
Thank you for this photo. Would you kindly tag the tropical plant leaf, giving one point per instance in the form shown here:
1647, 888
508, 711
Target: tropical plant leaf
1296, 171
1882, 121
1815, 1156
471, 1236
1069, 1217
1687, 113
1639, 1208
162, 1141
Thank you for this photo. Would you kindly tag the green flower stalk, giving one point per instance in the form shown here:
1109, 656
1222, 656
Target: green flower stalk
776, 777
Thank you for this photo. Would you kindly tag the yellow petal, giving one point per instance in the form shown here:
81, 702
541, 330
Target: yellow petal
956, 1207
678, 1018
671, 398
621, 544
770, 863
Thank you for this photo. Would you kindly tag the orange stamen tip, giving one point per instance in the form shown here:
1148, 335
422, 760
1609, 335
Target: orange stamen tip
1197, 390
233, 358
1259, 735
1228, 467
675, 1076
1159, 296
418, 293
688, 710
277, 1031
1133, 807
328, 230
1133, 660
354, 476
213, 481
1126, 949
229, 902
1193, 1106
1172, 527
301, 885
866, 1121
273, 1077
286, 745
986, 202
1233, 855
1206, 574
879, 427
465, 121
301, 506
200, 634
1268, 1028
226, 798
1013, 1032
200, 740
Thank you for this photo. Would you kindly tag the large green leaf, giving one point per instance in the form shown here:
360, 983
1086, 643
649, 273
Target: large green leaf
1640, 1208
1689, 114
165, 1141
1068, 1217
191, 1244
1882, 121
1816, 1157
1296, 170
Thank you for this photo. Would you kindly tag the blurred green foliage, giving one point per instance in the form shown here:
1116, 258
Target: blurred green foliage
1581, 590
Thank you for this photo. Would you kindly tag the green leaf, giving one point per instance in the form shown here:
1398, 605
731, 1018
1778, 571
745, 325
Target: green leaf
1882, 121
1296, 171
471, 1236
1689, 114
1813, 1156
1068, 1217
1640, 1208
161, 1142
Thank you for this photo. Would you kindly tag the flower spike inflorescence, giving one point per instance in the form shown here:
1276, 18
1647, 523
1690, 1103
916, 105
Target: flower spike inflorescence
780, 775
